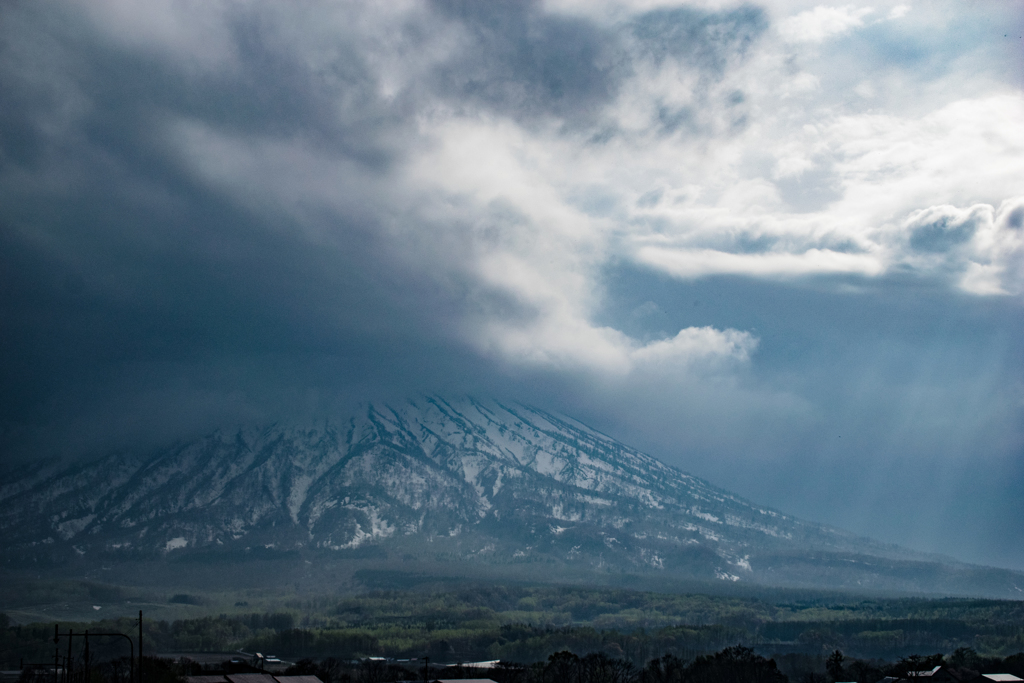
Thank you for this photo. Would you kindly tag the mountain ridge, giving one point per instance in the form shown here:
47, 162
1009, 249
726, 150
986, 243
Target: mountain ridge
466, 481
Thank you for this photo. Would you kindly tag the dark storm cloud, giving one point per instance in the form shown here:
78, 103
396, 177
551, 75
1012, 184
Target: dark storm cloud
122, 270
118, 259
708, 40
520, 61
132, 286
1015, 219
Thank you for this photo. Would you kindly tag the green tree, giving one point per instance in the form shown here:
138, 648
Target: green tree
735, 664
834, 665
667, 669
965, 658
562, 667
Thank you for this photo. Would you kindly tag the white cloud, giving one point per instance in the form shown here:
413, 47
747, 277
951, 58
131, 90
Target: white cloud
980, 247
862, 175
899, 11
695, 263
697, 343
821, 23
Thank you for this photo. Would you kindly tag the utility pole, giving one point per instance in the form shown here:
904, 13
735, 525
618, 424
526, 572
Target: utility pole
67, 663
140, 646
68, 677
56, 653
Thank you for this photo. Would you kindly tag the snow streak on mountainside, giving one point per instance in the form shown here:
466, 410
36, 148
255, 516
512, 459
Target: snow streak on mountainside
468, 480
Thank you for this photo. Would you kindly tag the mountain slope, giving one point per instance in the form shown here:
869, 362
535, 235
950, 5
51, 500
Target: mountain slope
467, 481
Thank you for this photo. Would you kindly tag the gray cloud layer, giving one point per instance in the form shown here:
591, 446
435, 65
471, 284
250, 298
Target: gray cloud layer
767, 244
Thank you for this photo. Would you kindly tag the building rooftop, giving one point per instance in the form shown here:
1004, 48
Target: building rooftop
251, 678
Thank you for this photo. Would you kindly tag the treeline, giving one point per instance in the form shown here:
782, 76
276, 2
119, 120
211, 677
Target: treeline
474, 641
523, 642
34, 642
512, 642
528, 623
622, 609
893, 638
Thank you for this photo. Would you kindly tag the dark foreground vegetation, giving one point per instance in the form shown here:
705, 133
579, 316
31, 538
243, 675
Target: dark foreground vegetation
545, 634
736, 664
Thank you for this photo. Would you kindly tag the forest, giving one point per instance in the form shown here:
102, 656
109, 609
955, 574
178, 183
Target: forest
525, 626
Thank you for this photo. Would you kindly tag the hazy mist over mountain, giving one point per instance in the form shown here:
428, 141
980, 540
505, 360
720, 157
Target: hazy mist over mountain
779, 246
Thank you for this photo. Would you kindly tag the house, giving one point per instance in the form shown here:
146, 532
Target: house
489, 664
251, 678
939, 674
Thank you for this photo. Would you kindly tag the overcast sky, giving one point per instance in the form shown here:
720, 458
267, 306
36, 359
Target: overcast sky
780, 246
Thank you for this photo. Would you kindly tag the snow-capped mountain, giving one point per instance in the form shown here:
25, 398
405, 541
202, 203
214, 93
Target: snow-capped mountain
467, 481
